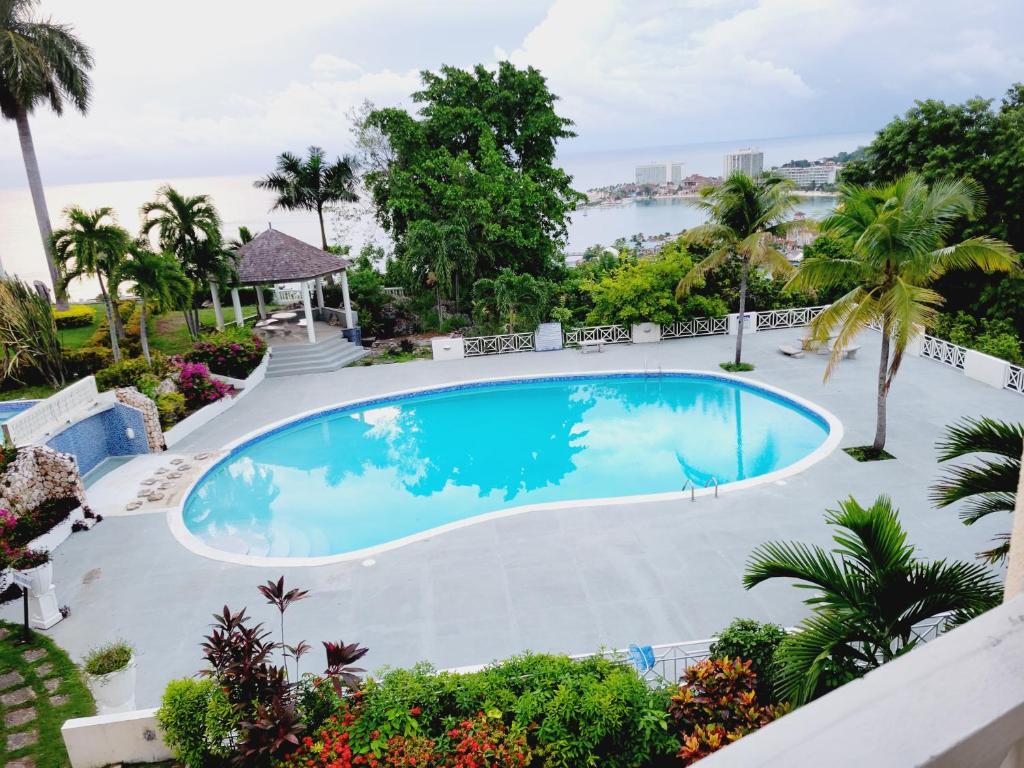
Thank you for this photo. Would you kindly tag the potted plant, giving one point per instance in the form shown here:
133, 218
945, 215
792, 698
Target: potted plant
34, 563
110, 675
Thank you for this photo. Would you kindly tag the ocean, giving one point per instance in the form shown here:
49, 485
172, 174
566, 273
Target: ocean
241, 204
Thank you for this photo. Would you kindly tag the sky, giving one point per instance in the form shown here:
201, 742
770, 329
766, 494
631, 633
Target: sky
210, 87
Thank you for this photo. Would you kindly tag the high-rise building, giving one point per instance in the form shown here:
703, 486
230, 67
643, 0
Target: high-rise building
750, 161
810, 176
659, 173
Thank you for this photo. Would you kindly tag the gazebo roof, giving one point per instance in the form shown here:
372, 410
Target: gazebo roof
274, 257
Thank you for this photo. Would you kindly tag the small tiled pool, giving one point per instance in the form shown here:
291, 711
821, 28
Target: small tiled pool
11, 408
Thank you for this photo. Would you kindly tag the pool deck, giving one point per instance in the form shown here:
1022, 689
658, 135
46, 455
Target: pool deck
570, 580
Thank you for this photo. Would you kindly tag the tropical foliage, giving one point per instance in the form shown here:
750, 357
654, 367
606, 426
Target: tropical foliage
311, 183
867, 595
757, 643
158, 282
41, 62
989, 484
511, 302
29, 342
899, 235
744, 218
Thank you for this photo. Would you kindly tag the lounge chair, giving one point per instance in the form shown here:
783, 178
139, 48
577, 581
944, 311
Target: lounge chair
789, 351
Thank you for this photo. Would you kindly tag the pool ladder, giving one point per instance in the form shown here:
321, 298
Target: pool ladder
693, 489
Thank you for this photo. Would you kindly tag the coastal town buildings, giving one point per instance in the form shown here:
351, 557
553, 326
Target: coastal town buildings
813, 176
659, 173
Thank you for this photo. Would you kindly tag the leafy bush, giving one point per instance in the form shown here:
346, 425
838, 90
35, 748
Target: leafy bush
197, 386
996, 337
171, 407
195, 722
234, 353
130, 371
29, 343
77, 316
87, 361
755, 642
716, 704
107, 658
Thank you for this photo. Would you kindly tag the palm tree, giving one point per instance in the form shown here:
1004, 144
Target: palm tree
898, 236
311, 184
990, 485
189, 228
158, 282
40, 61
744, 218
93, 244
869, 593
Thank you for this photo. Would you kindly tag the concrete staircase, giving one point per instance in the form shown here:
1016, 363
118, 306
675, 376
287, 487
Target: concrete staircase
330, 355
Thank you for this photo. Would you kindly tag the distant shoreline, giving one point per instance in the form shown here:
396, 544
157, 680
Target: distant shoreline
623, 201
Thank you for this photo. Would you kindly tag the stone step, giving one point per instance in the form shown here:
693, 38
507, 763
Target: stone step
318, 365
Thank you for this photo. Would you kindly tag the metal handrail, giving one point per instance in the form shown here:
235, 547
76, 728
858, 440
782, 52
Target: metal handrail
714, 480
688, 482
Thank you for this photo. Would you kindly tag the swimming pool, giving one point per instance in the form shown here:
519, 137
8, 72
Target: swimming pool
9, 408
372, 474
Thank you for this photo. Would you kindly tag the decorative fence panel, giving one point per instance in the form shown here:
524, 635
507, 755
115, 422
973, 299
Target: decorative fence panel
698, 326
55, 412
944, 352
1014, 379
608, 334
498, 345
395, 292
787, 318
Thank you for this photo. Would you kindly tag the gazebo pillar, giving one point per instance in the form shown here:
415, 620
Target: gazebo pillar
320, 295
308, 310
218, 313
348, 303
261, 305
236, 305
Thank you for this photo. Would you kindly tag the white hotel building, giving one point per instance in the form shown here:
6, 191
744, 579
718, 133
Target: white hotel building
659, 173
750, 161
811, 176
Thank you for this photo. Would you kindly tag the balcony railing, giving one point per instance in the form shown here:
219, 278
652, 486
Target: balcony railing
943, 351
498, 345
795, 317
698, 326
590, 334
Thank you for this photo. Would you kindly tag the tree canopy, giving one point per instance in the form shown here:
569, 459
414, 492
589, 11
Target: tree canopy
478, 157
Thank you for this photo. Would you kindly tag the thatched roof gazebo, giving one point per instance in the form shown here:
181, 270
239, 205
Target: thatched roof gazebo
274, 257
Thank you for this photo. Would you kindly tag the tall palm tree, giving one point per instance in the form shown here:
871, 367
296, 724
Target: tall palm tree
745, 216
159, 282
40, 61
868, 594
189, 228
312, 183
898, 236
990, 484
93, 244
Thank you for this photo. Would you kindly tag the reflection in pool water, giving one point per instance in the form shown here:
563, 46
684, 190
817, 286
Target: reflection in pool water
366, 475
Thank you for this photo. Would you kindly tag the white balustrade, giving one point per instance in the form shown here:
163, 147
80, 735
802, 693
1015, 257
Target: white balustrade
395, 292
1014, 379
794, 317
498, 345
943, 351
607, 334
698, 326
52, 414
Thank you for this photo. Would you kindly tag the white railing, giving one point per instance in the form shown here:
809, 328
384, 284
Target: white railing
943, 351
285, 296
698, 326
607, 334
794, 317
1014, 379
395, 292
498, 345
52, 414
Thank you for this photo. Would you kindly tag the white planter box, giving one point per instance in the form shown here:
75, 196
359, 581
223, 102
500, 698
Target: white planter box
646, 333
448, 347
115, 692
130, 737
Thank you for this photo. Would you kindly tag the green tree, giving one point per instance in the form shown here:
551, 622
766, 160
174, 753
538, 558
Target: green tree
481, 153
744, 217
189, 227
517, 302
311, 184
899, 245
868, 594
158, 282
93, 244
989, 485
437, 254
28, 335
40, 62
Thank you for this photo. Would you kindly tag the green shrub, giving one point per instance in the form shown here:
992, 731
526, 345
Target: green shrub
87, 361
130, 371
171, 407
197, 721
107, 658
77, 316
754, 642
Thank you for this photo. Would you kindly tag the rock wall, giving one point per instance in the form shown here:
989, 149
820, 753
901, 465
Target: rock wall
151, 416
39, 474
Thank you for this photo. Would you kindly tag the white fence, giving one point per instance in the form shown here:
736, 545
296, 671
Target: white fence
52, 414
787, 318
1014, 379
608, 334
498, 345
286, 296
395, 292
698, 326
944, 352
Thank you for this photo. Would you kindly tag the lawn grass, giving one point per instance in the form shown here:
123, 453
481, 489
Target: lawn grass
168, 333
736, 367
76, 338
48, 750
867, 453
27, 393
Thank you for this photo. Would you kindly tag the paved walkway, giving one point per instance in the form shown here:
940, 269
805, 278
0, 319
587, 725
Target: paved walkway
568, 580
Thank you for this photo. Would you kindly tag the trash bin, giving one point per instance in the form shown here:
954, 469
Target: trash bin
355, 335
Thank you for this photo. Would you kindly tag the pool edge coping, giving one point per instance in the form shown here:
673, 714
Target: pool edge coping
176, 514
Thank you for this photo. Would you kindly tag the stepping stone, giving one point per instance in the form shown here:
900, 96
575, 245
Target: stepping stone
155, 496
149, 481
21, 762
34, 655
10, 680
59, 700
19, 717
44, 670
162, 471
201, 456
177, 461
173, 475
131, 506
143, 493
52, 684
21, 740
20, 696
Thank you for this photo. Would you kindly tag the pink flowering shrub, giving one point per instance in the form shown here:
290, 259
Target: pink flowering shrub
230, 353
198, 387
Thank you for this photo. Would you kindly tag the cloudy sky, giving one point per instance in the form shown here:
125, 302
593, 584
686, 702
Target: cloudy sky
204, 87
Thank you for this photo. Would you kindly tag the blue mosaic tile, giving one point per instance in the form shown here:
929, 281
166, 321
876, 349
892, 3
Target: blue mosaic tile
102, 435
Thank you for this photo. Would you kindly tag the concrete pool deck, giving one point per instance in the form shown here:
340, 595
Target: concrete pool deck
569, 580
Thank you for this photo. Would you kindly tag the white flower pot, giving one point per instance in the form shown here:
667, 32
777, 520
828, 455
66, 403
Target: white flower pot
40, 579
114, 692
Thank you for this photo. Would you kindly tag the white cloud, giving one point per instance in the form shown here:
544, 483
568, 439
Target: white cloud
329, 65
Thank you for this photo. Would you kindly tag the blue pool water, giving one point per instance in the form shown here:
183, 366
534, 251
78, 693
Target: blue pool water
379, 471
12, 408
